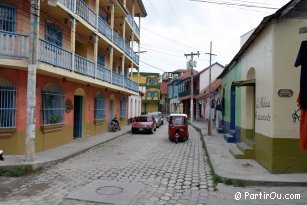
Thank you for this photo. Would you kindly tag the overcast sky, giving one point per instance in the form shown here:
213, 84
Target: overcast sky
175, 27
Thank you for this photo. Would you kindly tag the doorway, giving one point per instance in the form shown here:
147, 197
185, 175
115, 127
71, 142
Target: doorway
111, 109
77, 116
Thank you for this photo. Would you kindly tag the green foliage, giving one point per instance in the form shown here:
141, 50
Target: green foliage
18, 171
55, 119
228, 181
239, 183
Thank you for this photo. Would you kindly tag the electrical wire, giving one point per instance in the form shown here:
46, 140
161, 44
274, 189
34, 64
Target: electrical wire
153, 66
235, 4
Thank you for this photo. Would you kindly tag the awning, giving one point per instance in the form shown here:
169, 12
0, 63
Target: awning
250, 82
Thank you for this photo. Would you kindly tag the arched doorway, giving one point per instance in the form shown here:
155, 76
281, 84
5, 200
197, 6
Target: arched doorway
79, 113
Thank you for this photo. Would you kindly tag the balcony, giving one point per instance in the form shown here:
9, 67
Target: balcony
188, 92
133, 25
87, 14
17, 45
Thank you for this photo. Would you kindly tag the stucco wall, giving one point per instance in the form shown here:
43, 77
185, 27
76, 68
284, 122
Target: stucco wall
286, 76
216, 70
259, 57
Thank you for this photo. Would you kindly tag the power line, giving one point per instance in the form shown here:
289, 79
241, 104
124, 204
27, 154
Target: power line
236, 4
153, 66
171, 40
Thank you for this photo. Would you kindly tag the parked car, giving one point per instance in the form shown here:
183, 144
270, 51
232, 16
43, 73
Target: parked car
157, 117
161, 116
144, 123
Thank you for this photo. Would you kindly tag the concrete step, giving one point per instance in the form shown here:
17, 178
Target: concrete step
220, 130
232, 132
250, 142
229, 138
236, 153
246, 150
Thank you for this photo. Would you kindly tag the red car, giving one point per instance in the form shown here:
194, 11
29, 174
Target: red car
144, 123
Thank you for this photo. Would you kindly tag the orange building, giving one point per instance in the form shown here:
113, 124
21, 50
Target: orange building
86, 49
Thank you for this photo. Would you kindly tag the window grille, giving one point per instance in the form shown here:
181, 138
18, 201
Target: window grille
123, 107
53, 34
53, 107
8, 97
7, 18
100, 107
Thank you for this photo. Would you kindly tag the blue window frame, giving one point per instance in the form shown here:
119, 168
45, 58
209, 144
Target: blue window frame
54, 34
123, 107
8, 95
100, 107
53, 105
156, 94
7, 18
101, 60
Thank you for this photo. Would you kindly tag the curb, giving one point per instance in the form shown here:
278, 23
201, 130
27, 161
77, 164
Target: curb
249, 182
36, 165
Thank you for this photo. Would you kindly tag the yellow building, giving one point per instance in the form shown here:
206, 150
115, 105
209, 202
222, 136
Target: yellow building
85, 51
151, 99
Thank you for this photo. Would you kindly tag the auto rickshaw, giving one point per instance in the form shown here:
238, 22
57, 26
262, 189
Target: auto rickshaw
178, 127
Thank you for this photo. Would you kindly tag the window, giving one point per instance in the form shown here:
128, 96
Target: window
123, 107
101, 60
52, 105
7, 104
151, 81
53, 34
100, 107
7, 18
148, 94
156, 94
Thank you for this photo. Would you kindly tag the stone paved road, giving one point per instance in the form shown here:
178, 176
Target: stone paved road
171, 174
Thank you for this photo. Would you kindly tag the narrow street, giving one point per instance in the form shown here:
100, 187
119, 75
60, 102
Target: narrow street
170, 174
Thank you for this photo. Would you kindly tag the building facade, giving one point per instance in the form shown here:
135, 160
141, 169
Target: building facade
85, 52
151, 99
261, 88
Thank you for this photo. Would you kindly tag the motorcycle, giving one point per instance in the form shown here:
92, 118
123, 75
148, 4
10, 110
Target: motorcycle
1, 155
115, 125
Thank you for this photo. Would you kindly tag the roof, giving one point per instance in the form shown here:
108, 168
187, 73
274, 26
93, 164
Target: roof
180, 71
142, 7
178, 115
214, 86
163, 88
187, 75
262, 26
216, 63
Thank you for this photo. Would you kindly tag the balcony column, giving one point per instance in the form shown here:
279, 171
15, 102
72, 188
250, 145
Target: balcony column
97, 12
96, 40
75, 6
111, 62
73, 42
124, 29
112, 19
123, 68
133, 9
125, 3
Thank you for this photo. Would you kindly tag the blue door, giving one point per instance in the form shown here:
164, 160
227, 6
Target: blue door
233, 107
77, 117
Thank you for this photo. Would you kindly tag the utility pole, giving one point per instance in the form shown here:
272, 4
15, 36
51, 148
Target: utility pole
190, 65
31, 86
210, 99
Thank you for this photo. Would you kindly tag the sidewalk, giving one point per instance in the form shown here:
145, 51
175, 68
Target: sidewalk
248, 170
63, 152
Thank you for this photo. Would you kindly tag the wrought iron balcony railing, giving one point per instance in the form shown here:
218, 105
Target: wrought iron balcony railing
188, 92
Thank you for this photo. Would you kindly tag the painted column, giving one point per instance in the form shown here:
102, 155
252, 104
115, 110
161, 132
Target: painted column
123, 69
31, 86
96, 40
111, 49
73, 42
97, 12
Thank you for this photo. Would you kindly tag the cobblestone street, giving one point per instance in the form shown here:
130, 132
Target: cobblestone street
171, 174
